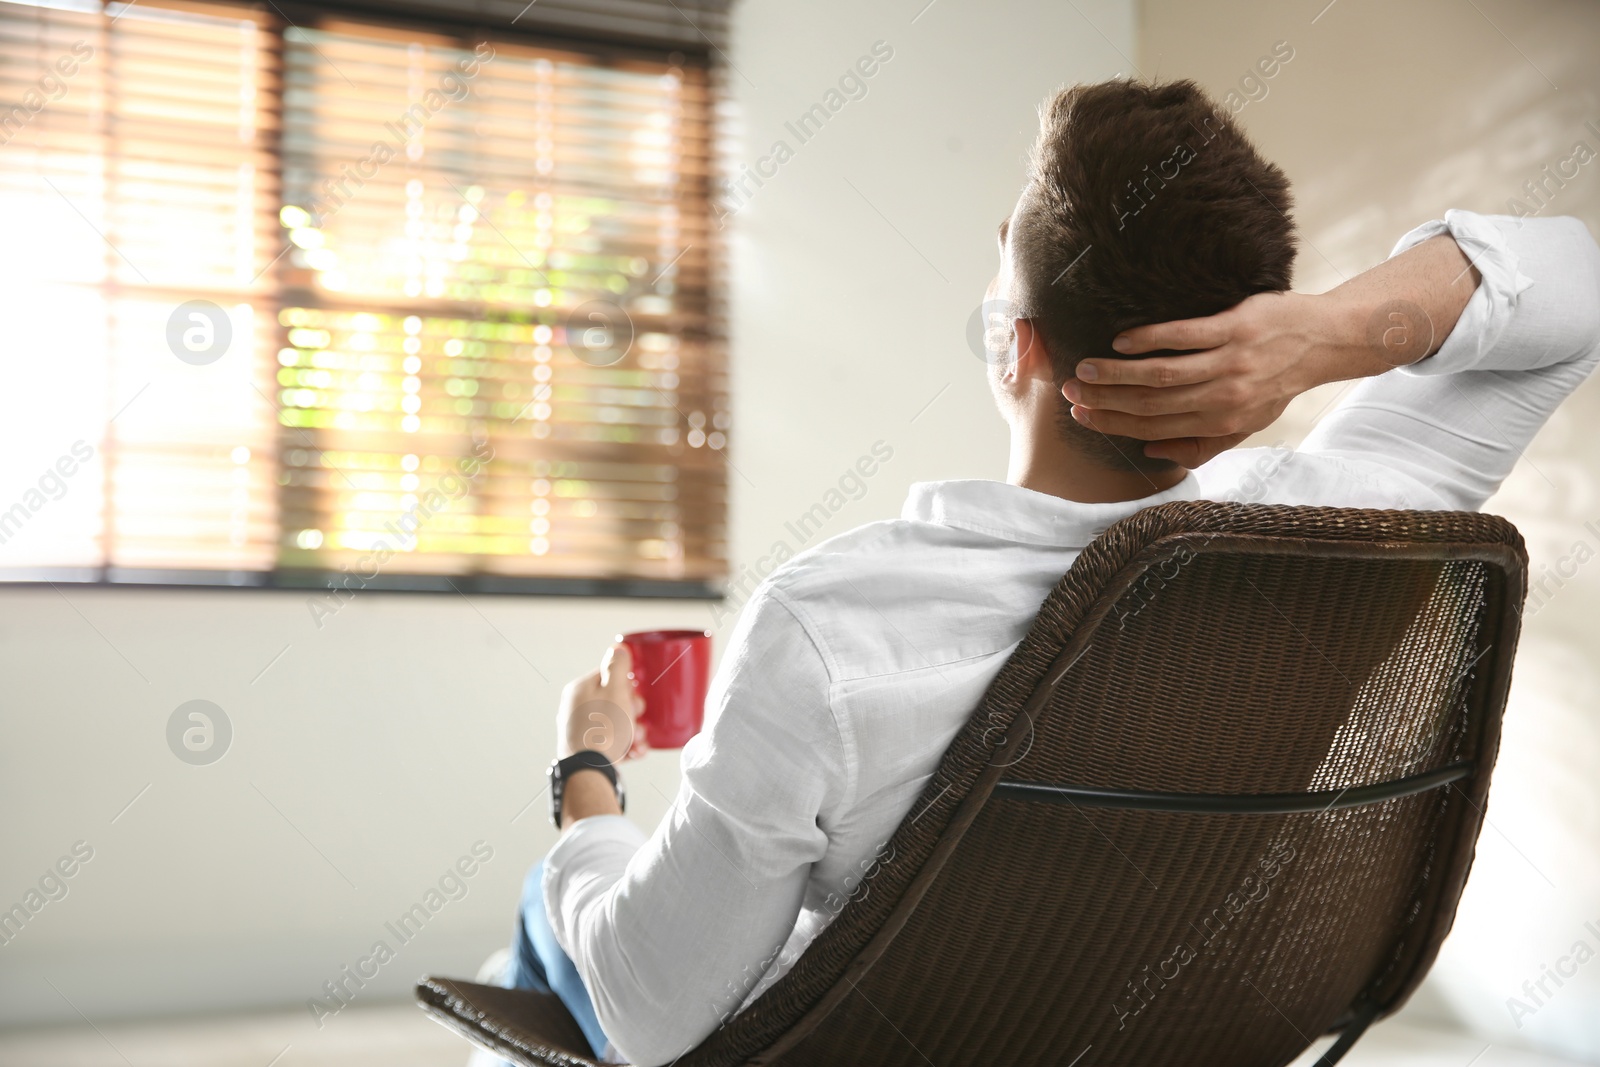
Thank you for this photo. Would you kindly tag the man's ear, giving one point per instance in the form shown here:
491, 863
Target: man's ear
1033, 357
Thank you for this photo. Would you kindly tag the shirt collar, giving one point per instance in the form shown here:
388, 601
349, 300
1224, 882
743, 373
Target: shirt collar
1013, 513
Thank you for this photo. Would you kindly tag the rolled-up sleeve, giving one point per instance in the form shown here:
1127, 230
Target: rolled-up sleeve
670, 932
1457, 422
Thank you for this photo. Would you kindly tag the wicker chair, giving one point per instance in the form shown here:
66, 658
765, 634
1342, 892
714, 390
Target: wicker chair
1222, 799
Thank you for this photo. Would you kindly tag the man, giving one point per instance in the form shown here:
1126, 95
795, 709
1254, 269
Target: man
854, 665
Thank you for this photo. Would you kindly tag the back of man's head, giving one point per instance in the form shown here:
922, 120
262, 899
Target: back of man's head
1147, 203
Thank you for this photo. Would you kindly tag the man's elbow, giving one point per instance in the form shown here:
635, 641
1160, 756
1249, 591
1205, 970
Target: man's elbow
656, 1035
650, 1016
1583, 277
1591, 260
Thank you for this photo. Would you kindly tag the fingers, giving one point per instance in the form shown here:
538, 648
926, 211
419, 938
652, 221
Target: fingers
616, 676
1145, 427
1157, 372
1192, 452
1180, 335
1142, 400
616, 661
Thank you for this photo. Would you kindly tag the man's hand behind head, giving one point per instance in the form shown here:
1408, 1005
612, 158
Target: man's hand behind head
1229, 375
1233, 373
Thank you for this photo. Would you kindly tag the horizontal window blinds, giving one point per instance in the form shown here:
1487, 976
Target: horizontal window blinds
360, 299
138, 168
695, 26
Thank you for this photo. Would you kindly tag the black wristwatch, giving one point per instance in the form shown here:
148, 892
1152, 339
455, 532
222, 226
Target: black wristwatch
562, 769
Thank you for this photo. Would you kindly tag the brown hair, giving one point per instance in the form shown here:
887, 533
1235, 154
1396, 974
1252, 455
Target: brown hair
1147, 203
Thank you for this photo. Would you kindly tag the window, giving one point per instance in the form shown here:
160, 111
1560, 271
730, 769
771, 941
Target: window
289, 303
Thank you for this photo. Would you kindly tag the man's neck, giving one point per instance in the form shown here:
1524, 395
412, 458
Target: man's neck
1045, 463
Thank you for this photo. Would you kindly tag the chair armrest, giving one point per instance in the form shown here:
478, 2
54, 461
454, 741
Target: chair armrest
529, 1028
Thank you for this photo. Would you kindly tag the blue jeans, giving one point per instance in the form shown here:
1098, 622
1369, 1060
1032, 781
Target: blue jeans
538, 961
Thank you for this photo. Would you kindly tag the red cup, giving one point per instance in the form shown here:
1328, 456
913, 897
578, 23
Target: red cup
671, 671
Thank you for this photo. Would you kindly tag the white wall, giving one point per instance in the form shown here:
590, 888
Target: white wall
377, 750
1388, 115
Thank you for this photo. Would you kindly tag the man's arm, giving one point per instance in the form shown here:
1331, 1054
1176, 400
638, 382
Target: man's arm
599, 713
1240, 368
1536, 306
671, 933
1458, 422
586, 794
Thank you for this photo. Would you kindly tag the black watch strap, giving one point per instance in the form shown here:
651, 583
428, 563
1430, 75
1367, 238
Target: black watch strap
562, 769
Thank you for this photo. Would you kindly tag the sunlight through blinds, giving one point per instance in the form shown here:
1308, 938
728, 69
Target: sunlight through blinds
138, 171
467, 284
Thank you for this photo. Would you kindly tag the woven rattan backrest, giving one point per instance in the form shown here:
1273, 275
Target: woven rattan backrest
1204, 650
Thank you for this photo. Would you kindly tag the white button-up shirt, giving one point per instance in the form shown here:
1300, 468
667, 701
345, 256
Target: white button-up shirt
854, 665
